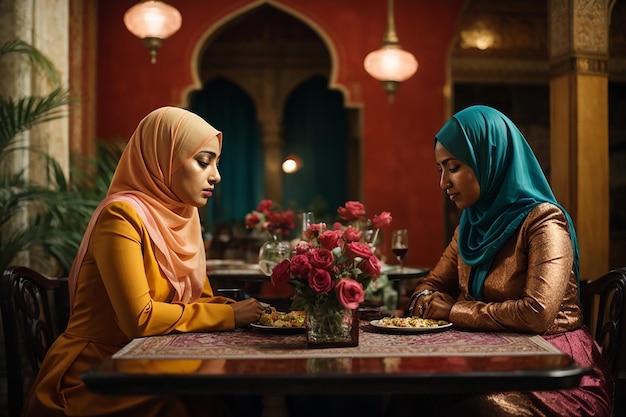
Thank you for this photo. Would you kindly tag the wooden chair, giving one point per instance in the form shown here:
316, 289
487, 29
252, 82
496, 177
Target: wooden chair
605, 300
34, 312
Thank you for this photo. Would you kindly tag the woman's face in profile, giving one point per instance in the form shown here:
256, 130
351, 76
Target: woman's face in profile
194, 182
456, 178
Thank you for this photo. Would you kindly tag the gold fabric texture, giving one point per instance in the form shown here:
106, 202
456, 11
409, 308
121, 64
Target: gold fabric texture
531, 286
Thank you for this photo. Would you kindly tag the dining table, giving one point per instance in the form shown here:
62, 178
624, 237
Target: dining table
262, 360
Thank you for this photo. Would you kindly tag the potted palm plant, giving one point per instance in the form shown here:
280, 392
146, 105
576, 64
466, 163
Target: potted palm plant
46, 220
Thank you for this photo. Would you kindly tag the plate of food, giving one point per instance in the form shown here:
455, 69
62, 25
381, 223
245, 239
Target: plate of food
410, 325
279, 322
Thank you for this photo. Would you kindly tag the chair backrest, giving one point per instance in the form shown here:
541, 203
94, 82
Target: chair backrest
607, 293
31, 323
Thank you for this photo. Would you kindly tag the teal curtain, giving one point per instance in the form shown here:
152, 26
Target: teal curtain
316, 130
229, 109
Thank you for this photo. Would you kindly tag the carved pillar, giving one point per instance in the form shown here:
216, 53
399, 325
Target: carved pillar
579, 155
273, 146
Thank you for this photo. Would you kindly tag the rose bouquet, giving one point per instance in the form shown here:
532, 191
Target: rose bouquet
354, 213
269, 217
330, 270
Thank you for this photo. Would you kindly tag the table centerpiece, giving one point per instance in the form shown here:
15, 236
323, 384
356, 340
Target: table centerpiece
330, 270
268, 217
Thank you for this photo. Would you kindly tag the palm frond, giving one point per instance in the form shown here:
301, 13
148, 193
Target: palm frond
48, 219
22, 114
34, 55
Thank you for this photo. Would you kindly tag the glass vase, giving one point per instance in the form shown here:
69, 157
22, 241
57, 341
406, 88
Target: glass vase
272, 252
332, 327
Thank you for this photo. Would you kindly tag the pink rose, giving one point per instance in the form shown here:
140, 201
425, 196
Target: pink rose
281, 273
337, 226
381, 220
314, 230
303, 247
352, 234
330, 239
321, 258
320, 280
352, 210
358, 250
300, 265
350, 293
371, 266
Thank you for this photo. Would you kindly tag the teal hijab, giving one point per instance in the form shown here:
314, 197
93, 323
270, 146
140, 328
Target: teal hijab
511, 185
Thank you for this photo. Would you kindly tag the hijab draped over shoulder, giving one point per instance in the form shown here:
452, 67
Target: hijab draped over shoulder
511, 185
162, 142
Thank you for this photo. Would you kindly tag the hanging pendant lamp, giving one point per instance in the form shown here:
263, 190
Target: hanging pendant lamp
153, 21
390, 64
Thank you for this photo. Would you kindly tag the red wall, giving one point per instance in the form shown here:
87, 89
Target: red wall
398, 162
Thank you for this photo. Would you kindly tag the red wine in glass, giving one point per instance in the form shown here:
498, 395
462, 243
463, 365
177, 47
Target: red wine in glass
400, 244
400, 252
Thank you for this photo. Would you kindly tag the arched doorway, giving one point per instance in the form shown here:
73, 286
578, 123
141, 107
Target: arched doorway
268, 54
241, 163
315, 129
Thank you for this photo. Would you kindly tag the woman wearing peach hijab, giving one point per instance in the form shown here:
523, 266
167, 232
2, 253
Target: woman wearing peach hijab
140, 270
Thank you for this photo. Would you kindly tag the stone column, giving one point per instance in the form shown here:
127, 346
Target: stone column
16, 23
43, 24
579, 155
51, 37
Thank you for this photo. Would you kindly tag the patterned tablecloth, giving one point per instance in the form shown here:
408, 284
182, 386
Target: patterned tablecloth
247, 344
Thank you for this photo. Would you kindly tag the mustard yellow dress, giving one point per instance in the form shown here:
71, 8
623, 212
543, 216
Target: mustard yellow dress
121, 294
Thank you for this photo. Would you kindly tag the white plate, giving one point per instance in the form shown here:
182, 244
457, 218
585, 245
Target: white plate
277, 330
409, 330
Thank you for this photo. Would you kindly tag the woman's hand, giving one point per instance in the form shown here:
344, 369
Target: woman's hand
436, 306
247, 311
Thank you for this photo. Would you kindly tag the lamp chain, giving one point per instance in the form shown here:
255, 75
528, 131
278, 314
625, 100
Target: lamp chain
390, 38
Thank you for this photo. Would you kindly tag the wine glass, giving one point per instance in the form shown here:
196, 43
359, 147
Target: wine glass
308, 218
400, 244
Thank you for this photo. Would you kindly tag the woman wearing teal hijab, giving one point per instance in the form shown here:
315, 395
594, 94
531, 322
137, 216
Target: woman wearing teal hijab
511, 266
511, 184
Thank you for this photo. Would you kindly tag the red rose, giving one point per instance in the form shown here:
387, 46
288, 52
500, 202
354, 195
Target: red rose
352, 234
330, 239
265, 206
371, 266
381, 220
350, 293
300, 265
321, 258
320, 280
252, 220
281, 273
352, 210
274, 218
358, 250
288, 220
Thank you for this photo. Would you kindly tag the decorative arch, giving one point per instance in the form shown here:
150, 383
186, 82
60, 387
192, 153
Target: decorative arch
200, 45
270, 88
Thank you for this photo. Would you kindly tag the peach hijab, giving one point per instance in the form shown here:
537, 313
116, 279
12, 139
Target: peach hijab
163, 141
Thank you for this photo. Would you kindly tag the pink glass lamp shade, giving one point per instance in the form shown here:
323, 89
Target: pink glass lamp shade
152, 21
390, 64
